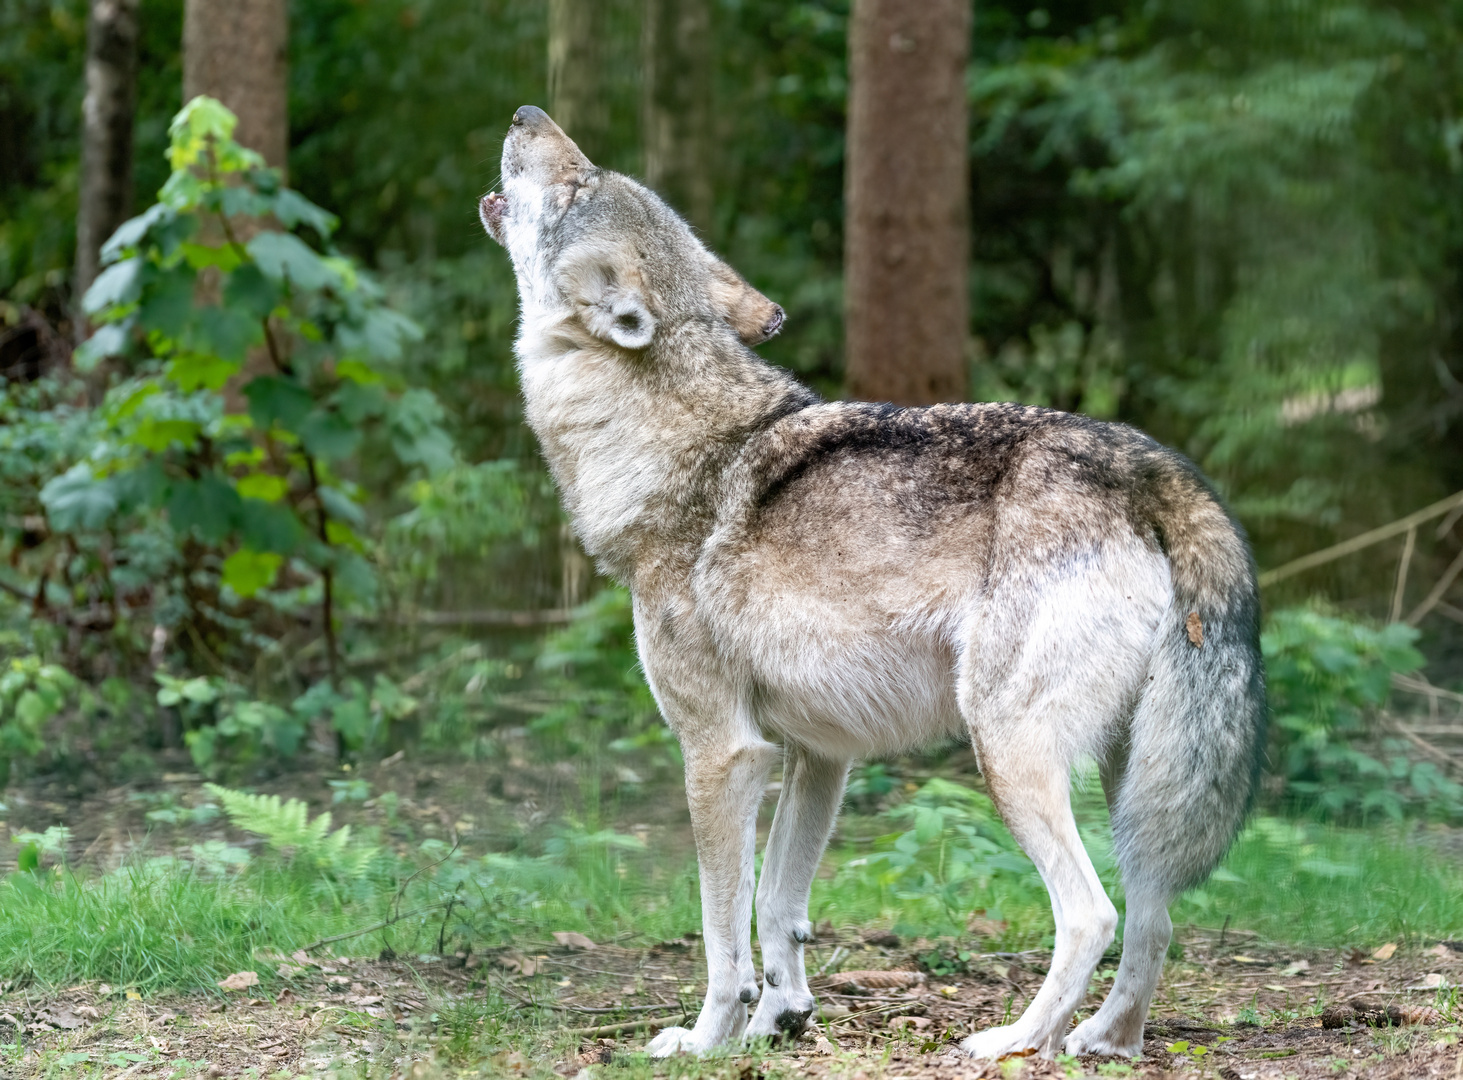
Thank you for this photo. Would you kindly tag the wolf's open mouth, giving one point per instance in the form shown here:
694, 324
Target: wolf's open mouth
490, 210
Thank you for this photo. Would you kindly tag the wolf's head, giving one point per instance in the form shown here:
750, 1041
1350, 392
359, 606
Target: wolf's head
596, 250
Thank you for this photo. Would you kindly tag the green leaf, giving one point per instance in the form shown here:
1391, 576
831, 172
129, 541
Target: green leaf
359, 402
329, 435
78, 500
247, 571
132, 232
285, 258
112, 339
263, 486
274, 399
167, 301
193, 370
28, 858
120, 283
225, 331
158, 433
197, 122
243, 201
380, 333
358, 372
340, 505
209, 505
267, 526
292, 209
224, 256
250, 291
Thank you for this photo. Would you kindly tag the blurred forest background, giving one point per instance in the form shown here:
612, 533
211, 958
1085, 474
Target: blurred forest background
1237, 226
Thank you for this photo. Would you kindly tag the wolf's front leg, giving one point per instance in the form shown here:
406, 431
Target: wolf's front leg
812, 788
724, 784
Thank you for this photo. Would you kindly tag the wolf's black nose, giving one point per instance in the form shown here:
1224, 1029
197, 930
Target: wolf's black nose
529, 116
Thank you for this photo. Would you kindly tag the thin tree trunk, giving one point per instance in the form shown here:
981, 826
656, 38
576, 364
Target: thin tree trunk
906, 189
105, 198
236, 51
578, 98
676, 121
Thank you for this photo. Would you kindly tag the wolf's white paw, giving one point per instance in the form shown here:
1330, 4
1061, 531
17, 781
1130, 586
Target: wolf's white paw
1096, 1036
998, 1042
781, 1015
678, 1040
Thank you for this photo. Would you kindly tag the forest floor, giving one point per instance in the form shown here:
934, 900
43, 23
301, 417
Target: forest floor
1239, 1010
1230, 1005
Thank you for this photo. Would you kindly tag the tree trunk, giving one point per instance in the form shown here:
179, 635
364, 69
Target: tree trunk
578, 99
236, 51
676, 121
906, 243
105, 199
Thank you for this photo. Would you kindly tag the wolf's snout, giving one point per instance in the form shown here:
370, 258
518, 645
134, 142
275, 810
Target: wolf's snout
529, 116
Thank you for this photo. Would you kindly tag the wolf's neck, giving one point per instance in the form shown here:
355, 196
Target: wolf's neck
638, 446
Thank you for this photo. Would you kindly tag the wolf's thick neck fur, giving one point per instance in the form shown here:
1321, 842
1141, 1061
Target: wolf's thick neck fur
640, 461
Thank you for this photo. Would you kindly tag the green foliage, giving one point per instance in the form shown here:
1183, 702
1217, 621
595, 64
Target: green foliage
31, 693
263, 484
594, 675
1329, 679
951, 854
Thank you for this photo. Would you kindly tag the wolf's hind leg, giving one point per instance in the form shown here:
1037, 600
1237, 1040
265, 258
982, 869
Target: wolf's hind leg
1031, 787
812, 788
724, 784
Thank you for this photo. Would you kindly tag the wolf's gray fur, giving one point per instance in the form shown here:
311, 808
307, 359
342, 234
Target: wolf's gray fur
821, 581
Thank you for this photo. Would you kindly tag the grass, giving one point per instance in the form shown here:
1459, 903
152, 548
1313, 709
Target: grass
182, 923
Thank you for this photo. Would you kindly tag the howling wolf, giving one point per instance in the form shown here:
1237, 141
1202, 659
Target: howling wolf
816, 582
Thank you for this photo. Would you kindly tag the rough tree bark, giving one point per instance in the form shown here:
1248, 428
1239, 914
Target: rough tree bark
105, 198
906, 242
578, 100
676, 67
236, 51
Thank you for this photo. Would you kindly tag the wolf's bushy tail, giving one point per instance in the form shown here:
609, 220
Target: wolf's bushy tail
1197, 736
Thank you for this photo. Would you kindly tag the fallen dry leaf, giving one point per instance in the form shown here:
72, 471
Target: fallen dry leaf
1385, 952
982, 927
1441, 951
1297, 968
523, 965
240, 980
572, 939
919, 1023
1432, 981
62, 1017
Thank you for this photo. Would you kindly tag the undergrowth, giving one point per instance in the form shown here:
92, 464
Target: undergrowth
946, 870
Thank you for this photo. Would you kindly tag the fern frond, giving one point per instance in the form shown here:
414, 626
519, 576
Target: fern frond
286, 826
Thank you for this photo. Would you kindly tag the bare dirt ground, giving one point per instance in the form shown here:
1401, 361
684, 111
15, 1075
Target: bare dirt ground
1232, 1009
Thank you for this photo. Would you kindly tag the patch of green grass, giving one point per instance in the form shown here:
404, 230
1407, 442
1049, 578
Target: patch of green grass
186, 923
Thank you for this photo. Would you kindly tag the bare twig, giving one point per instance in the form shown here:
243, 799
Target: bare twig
1436, 753
542, 617
838, 954
1444, 583
649, 1023
1402, 567
378, 926
1360, 543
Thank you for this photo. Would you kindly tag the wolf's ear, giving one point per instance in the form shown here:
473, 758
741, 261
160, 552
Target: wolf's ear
754, 317
620, 315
